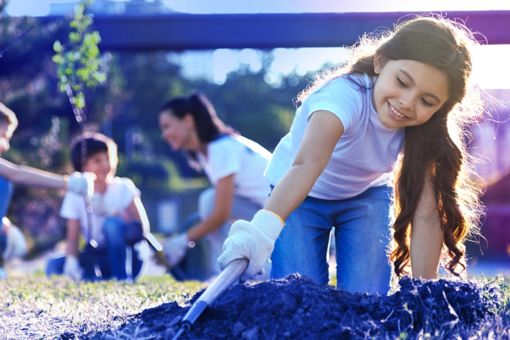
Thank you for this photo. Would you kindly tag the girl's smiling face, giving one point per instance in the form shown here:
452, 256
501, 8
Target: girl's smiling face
407, 92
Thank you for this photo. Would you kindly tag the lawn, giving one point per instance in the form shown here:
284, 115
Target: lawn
36, 307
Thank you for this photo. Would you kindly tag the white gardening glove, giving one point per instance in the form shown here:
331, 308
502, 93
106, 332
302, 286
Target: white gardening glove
72, 268
176, 247
16, 243
81, 183
252, 240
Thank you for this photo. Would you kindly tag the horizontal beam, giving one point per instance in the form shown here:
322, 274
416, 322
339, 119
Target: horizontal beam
267, 31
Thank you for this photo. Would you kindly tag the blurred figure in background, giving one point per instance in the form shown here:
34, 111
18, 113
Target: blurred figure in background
10, 173
12, 244
233, 164
112, 223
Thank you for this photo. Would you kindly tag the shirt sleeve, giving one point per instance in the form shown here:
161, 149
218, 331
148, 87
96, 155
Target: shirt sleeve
129, 192
70, 208
341, 97
224, 158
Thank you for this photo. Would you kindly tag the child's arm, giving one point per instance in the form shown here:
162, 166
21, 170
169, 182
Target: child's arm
31, 176
73, 237
80, 183
323, 132
222, 208
426, 235
255, 240
72, 265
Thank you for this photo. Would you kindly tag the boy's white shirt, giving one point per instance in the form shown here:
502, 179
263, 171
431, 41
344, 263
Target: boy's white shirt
363, 157
240, 156
119, 194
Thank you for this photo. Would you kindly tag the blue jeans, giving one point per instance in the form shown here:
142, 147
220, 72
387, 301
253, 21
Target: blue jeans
362, 236
6, 188
108, 259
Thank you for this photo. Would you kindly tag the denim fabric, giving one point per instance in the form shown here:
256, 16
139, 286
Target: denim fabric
109, 259
3, 243
362, 237
242, 208
6, 189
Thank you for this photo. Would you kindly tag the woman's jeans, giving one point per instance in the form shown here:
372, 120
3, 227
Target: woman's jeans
362, 237
109, 260
6, 189
242, 208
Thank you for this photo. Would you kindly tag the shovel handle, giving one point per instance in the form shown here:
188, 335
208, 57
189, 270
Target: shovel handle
231, 273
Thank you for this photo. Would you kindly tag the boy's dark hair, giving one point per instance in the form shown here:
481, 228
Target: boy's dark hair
7, 116
89, 144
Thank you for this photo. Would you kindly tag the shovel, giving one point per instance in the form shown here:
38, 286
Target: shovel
231, 273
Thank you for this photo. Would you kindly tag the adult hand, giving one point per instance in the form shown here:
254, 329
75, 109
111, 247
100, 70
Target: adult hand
176, 247
16, 243
252, 240
81, 183
72, 268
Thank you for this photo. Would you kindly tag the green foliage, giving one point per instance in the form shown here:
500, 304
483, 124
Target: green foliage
78, 63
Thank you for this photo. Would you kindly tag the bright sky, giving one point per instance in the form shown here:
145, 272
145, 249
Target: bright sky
493, 59
297, 6
41, 7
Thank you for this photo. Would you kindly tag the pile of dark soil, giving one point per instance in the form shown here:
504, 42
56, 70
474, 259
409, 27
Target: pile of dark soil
296, 307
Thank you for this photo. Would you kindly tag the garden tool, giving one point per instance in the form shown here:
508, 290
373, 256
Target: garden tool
230, 274
159, 254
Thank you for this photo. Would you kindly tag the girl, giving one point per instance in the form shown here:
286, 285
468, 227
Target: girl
233, 164
404, 94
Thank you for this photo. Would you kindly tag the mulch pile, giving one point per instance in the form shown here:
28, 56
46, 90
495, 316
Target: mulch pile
296, 307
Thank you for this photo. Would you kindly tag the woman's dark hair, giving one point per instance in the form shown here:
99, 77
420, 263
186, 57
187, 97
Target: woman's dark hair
89, 144
208, 125
436, 149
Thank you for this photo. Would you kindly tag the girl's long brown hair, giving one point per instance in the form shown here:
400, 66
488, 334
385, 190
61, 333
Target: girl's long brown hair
437, 149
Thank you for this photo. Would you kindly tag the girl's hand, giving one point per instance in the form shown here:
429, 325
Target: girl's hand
252, 240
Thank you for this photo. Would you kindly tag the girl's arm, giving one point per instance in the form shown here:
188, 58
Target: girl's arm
222, 208
426, 235
31, 176
73, 237
323, 132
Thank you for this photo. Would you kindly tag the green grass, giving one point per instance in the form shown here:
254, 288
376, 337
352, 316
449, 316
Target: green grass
36, 307
39, 307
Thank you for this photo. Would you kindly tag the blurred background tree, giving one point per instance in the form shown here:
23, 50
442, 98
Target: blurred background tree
126, 109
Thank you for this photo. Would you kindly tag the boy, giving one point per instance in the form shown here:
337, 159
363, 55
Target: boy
81, 184
114, 219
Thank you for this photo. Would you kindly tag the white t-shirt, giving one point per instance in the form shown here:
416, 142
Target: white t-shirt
363, 157
240, 156
119, 194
